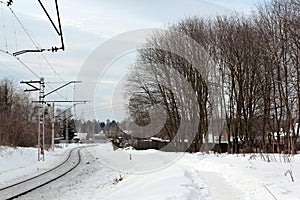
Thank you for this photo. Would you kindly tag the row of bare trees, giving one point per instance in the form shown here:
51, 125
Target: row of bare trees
17, 116
240, 74
19, 119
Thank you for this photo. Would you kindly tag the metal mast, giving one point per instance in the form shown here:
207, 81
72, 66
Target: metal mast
41, 126
41, 112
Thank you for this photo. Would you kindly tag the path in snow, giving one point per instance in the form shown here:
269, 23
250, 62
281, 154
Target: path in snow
220, 188
229, 176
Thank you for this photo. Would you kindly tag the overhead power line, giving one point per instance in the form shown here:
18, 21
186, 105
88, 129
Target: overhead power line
21, 62
29, 69
37, 45
58, 30
24, 29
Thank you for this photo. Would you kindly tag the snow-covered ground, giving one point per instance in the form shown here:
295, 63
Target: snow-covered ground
20, 163
151, 174
203, 176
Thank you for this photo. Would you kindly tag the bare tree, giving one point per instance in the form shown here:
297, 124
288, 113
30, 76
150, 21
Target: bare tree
17, 116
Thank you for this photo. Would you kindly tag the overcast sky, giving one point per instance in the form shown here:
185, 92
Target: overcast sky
87, 25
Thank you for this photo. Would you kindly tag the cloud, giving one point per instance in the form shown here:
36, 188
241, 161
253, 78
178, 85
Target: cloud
244, 6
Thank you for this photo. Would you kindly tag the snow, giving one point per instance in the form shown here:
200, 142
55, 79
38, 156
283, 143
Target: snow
254, 177
159, 139
202, 176
151, 174
81, 136
20, 163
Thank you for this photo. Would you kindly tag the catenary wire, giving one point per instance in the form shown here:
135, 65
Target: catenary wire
36, 45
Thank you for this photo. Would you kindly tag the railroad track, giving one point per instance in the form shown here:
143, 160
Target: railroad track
26, 186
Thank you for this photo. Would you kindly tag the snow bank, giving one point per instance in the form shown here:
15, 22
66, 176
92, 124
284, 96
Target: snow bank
149, 175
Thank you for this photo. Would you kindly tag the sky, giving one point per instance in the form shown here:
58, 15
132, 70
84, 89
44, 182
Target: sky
87, 27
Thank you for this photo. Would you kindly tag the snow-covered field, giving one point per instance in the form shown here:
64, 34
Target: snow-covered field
151, 174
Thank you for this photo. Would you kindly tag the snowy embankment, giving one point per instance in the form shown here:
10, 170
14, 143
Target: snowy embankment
151, 174
202, 176
17, 164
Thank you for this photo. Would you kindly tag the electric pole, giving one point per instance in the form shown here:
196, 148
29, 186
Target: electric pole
67, 130
53, 116
41, 132
52, 127
41, 111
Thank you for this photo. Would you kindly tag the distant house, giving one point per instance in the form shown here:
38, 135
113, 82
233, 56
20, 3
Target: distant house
81, 136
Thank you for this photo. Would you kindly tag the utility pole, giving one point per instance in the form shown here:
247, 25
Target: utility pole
41, 112
67, 130
52, 127
41, 131
53, 116
93, 132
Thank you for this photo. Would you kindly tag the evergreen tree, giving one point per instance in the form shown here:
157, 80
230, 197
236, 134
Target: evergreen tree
71, 129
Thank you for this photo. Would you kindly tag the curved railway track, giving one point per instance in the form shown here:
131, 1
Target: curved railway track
26, 186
